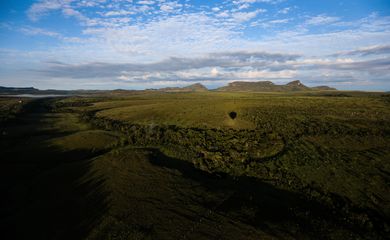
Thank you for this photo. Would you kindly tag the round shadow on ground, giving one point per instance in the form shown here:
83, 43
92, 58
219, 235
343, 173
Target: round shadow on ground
232, 115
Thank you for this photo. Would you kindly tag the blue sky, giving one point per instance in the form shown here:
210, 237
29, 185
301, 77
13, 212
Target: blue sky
137, 44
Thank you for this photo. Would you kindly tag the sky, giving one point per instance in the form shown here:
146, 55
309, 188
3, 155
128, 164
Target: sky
138, 44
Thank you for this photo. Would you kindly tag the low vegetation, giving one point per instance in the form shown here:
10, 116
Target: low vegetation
10, 107
183, 165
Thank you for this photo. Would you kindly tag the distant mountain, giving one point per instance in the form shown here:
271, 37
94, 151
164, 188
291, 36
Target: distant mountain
249, 86
238, 86
296, 86
34, 91
197, 87
267, 86
15, 90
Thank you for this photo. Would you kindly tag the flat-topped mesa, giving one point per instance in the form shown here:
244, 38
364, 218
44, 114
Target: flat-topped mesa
268, 86
240, 86
241, 83
18, 89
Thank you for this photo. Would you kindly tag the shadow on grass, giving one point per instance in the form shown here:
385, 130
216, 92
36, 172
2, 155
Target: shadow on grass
47, 193
262, 205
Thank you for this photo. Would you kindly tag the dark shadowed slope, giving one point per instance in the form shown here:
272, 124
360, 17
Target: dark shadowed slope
46, 191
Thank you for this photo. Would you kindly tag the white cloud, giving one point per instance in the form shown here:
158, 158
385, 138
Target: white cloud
278, 21
171, 36
244, 1
223, 14
118, 13
259, 1
244, 6
269, 24
120, 32
90, 3
69, 12
246, 16
45, 6
170, 6
38, 31
214, 72
284, 10
146, 2
264, 74
322, 20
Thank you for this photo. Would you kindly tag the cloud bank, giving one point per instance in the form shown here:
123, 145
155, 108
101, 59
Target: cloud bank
141, 43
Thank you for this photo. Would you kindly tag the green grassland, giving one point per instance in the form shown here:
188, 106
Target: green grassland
152, 165
9, 107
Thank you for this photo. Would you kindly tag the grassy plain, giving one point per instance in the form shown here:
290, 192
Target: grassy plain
177, 166
9, 107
